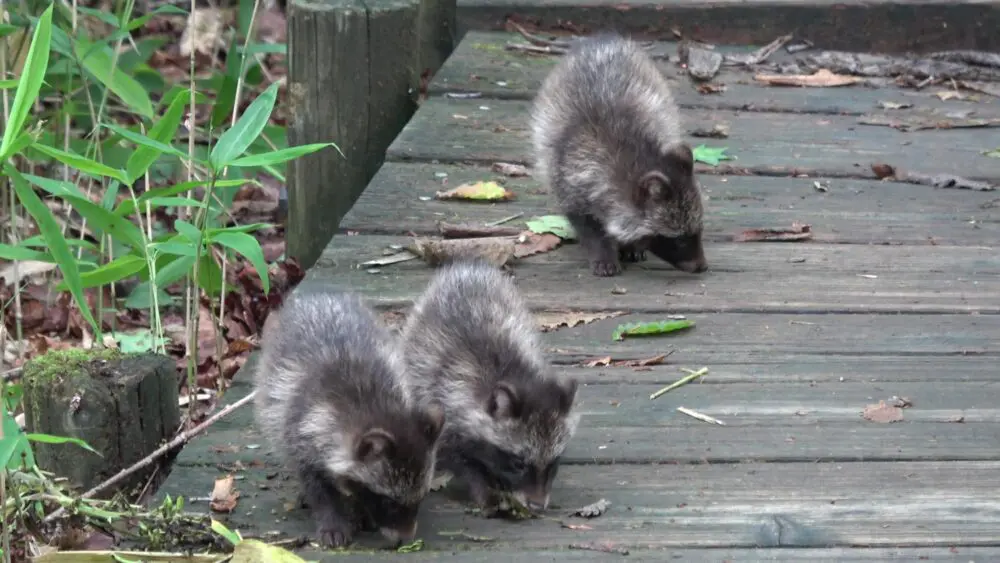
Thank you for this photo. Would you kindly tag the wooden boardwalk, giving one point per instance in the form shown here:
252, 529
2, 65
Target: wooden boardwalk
897, 295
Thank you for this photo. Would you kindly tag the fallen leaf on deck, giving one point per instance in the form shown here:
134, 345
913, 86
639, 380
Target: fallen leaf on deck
883, 413
822, 78
256, 550
593, 510
509, 169
708, 88
651, 328
599, 362
717, 131
894, 105
411, 547
945, 95
553, 320
605, 547
575, 526
995, 153
495, 250
558, 225
224, 496
710, 156
923, 122
477, 191
794, 233
388, 260
882, 170
901, 402
530, 243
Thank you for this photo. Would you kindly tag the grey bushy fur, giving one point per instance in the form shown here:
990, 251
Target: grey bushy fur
471, 345
606, 134
331, 399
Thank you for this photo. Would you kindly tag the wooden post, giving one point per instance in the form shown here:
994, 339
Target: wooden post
437, 33
123, 406
352, 80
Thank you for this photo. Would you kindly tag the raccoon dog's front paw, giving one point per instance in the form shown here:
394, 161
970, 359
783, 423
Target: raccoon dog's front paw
333, 530
605, 268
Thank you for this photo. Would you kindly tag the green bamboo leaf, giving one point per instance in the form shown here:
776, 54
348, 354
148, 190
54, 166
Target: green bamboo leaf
14, 444
166, 9
117, 227
49, 439
35, 65
82, 163
113, 271
162, 132
282, 155
248, 247
248, 127
98, 59
23, 141
175, 246
128, 206
650, 328
8, 84
57, 245
8, 252
174, 270
57, 188
145, 142
188, 230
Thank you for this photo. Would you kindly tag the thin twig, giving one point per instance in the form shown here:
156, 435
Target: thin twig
692, 375
536, 49
505, 220
180, 440
760, 55
536, 40
699, 416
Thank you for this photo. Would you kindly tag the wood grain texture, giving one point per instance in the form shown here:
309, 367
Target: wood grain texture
743, 277
775, 144
482, 64
863, 25
400, 199
744, 505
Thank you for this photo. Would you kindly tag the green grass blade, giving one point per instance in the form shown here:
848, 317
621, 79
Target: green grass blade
36, 63
50, 230
248, 127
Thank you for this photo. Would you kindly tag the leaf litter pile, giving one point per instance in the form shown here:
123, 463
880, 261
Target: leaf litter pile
51, 322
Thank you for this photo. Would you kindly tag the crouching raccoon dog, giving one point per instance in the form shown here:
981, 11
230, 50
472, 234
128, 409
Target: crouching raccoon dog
471, 345
606, 135
331, 399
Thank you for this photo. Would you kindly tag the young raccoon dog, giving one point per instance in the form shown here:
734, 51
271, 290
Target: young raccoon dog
471, 345
331, 399
607, 139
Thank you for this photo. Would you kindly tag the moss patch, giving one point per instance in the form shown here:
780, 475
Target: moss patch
66, 364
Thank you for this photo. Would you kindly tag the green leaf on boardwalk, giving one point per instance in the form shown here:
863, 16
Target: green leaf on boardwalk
248, 247
49, 439
710, 156
36, 63
651, 328
995, 153
555, 224
248, 127
411, 547
98, 60
248, 551
279, 156
52, 233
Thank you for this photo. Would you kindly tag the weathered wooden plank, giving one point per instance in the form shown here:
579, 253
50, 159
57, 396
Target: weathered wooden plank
563, 554
863, 25
743, 277
805, 505
400, 199
781, 144
481, 64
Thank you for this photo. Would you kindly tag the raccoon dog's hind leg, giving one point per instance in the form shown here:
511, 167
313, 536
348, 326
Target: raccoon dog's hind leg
602, 250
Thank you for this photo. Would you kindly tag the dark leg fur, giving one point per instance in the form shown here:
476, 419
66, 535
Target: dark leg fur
632, 253
332, 512
601, 250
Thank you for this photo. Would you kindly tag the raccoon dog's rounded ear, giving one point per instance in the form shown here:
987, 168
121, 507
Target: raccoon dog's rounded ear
373, 444
652, 185
503, 402
435, 422
569, 387
681, 156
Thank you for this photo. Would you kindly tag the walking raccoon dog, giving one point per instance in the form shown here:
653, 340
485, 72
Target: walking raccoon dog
331, 398
607, 139
471, 345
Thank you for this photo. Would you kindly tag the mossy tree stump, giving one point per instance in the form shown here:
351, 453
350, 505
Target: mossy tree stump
123, 405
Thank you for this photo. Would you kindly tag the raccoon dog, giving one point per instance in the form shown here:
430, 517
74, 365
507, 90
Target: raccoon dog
471, 346
331, 399
607, 139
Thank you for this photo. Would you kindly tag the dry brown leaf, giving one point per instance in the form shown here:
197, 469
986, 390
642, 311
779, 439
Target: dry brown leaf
883, 413
796, 232
224, 496
709, 88
575, 526
531, 243
25, 269
945, 95
822, 78
509, 169
552, 320
598, 362
593, 510
883, 170
495, 250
